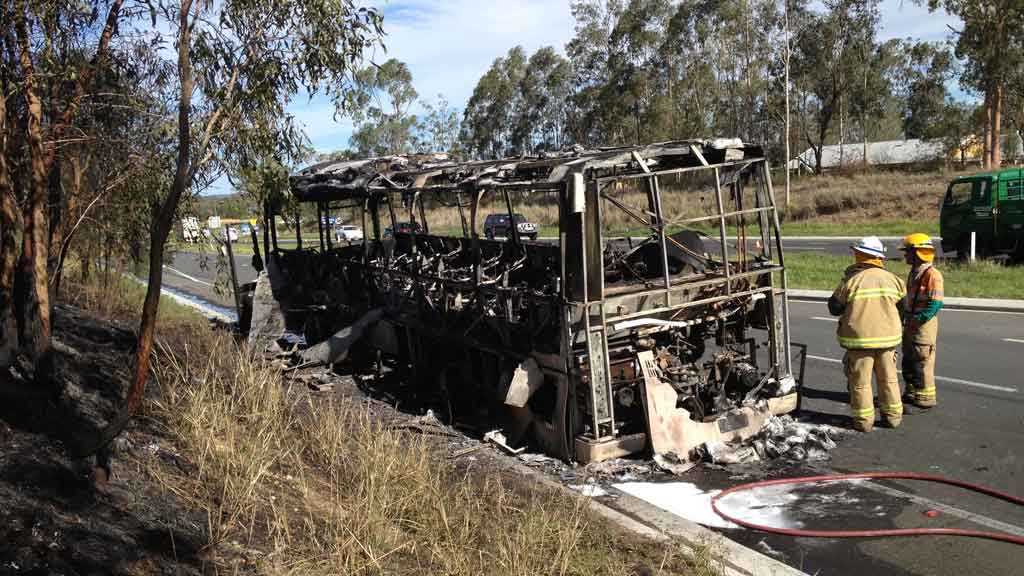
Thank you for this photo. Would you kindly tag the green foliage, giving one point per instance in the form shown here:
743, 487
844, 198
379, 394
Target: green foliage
383, 122
519, 106
438, 130
929, 67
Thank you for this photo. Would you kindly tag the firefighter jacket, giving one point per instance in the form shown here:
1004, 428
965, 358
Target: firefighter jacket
922, 304
867, 302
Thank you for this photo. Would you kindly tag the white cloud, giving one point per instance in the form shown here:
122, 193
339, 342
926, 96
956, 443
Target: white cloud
449, 45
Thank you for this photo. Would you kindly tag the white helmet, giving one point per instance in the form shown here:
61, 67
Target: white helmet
871, 246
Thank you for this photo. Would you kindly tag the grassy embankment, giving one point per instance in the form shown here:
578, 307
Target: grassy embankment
856, 204
979, 280
294, 485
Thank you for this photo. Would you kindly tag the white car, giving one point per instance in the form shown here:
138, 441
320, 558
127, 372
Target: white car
348, 233
232, 234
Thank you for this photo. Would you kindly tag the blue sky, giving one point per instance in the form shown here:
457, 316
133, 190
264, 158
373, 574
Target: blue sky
449, 44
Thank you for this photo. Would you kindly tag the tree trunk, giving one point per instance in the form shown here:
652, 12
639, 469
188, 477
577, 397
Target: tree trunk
163, 221
787, 58
842, 130
997, 128
8, 246
56, 200
986, 146
32, 297
864, 119
63, 234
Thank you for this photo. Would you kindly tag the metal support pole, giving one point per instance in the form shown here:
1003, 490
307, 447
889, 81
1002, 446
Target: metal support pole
258, 259
974, 244
266, 229
234, 273
329, 232
418, 199
273, 230
462, 215
655, 190
320, 224
298, 228
788, 362
721, 231
513, 226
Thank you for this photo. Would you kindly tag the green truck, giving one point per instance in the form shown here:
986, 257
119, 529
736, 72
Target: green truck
991, 205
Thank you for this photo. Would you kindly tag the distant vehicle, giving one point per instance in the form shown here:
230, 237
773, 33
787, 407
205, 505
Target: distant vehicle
991, 205
499, 225
190, 231
232, 234
244, 228
404, 228
348, 233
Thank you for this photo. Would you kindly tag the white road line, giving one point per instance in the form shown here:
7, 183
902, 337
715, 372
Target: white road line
183, 275
794, 299
947, 509
1017, 340
939, 378
1001, 312
825, 318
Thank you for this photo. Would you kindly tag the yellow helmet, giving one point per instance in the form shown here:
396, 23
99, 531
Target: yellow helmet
920, 243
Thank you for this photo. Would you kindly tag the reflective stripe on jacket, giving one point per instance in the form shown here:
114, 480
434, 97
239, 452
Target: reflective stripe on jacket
870, 297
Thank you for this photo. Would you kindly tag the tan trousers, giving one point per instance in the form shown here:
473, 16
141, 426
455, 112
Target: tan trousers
859, 366
919, 372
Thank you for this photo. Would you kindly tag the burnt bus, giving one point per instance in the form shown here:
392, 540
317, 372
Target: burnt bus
649, 315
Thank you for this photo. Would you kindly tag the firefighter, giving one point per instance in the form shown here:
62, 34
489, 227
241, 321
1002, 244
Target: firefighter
921, 322
867, 302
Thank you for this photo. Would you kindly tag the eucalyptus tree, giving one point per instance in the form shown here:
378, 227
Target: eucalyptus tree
384, 96
438, 128
828, 61
991, 42
489, 117
929, 67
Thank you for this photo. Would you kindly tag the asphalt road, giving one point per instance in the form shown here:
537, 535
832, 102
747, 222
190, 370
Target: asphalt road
204, 276
975, 434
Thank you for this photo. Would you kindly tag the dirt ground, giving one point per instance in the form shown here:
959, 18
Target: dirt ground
52, 520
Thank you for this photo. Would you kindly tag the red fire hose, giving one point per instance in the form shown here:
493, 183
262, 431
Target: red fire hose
1000, 536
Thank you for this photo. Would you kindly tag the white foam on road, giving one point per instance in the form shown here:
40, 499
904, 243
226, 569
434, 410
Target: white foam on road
824, 318
207, 309
592, 490
683, 499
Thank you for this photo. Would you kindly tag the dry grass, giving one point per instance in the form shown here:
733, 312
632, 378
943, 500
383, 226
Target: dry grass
834, 203
864, 198
113, 296
302, 487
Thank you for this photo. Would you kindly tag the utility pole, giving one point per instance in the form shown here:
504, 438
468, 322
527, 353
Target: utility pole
786, 58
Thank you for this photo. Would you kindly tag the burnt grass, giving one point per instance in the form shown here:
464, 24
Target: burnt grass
53, 520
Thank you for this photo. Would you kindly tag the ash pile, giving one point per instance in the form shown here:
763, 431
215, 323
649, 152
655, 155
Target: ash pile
781, 440
782, 437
